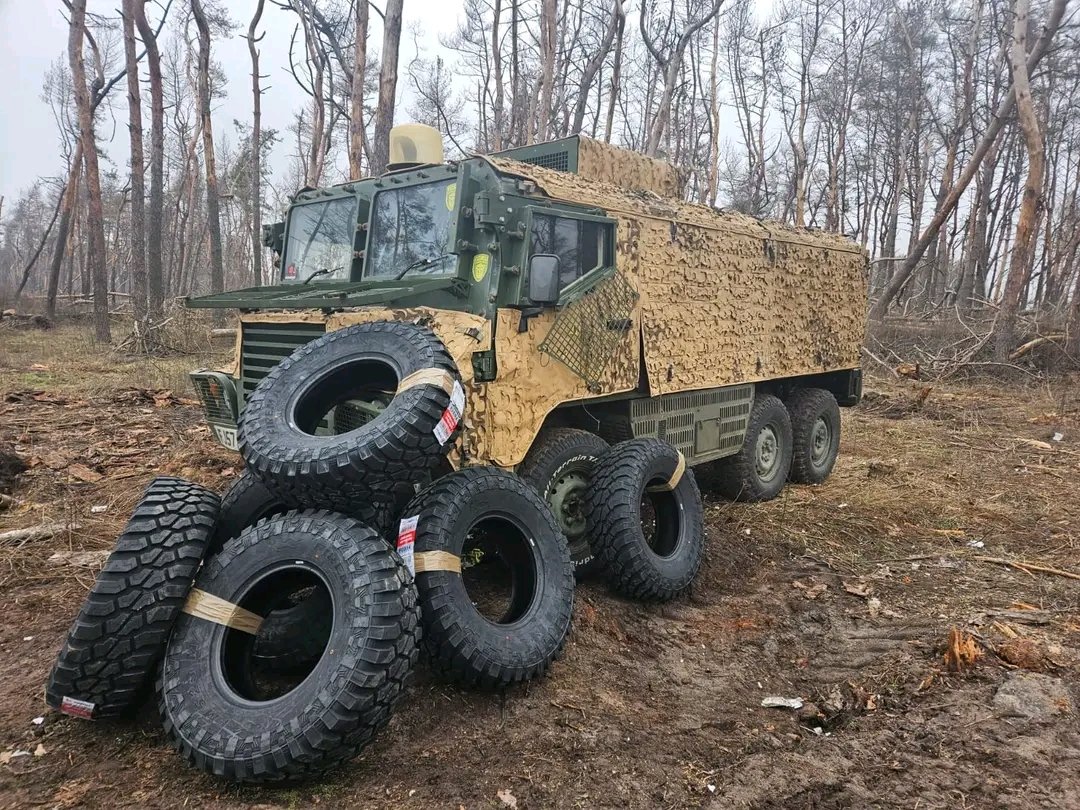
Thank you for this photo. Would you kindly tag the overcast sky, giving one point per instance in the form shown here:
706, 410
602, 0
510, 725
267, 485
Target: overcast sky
33, 33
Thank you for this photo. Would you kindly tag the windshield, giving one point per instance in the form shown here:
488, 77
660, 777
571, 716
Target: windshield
320, 240
412, 226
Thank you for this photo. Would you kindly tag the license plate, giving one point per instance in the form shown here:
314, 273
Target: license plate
226, 436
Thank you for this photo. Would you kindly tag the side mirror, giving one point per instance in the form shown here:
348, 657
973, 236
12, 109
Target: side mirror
544, 279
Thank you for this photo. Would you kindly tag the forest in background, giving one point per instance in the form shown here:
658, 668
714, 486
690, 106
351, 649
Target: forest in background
943, 135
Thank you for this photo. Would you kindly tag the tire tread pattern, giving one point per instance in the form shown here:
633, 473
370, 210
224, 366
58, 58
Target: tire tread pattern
120, 633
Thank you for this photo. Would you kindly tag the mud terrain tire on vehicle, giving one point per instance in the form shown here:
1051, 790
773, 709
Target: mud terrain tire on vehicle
227, 719
118, 637
409, 430
760, 469
815, 435
559, 467
495, 513
639, 479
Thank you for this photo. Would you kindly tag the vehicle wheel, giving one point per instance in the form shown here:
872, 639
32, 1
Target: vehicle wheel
815, 431
281, 436
760, 469
494, 576
119, 635
227, 715
646, 520
559, 466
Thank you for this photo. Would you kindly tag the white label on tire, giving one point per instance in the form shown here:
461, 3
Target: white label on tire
77, 708
406, 542
452, 415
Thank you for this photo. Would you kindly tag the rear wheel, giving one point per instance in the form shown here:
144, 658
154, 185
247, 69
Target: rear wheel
559, 467
760, 469
815, 428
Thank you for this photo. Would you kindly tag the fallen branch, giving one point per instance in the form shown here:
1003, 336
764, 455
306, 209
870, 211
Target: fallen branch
880, 362
20, 537
1034, 344
1027, 567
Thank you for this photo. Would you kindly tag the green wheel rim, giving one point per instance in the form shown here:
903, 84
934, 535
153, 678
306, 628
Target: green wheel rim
767, 454
820, 442
566, 497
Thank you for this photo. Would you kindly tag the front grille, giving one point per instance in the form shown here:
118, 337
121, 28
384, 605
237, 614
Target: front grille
267, 344
214, 398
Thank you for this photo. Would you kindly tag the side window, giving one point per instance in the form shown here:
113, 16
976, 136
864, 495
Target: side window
579, 244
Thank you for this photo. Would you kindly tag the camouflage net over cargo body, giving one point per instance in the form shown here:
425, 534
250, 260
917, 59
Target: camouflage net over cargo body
603, 163
726, 298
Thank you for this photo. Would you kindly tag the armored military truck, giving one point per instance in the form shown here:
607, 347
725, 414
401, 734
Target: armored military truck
582, 301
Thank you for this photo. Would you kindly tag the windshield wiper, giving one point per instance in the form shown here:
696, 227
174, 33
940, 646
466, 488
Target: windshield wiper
323, 272
421, 264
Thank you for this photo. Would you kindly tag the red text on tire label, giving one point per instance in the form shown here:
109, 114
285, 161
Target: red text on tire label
406, 541
452, 415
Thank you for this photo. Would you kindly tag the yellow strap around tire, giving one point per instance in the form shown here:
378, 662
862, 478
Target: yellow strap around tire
436, 561
438, 377
217, 610
672, 482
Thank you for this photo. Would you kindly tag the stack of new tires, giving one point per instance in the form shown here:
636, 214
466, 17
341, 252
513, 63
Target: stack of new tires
283, 622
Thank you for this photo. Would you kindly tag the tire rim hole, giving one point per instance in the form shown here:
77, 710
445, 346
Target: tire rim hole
498, 571
249, 671
346, 398
660, 520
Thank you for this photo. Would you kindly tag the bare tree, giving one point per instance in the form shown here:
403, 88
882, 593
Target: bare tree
213, 201
384, 113
669, 59
138, 185
253, 37
87, 137
1032, 201
356, 115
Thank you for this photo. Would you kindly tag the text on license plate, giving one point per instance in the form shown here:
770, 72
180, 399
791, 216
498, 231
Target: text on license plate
226, 436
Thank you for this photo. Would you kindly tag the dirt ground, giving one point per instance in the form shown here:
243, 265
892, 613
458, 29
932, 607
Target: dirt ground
862, 598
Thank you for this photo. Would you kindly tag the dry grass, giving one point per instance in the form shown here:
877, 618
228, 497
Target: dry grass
66, 358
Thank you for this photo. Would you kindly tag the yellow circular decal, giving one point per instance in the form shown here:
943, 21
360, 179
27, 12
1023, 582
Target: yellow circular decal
451, 196
480, 264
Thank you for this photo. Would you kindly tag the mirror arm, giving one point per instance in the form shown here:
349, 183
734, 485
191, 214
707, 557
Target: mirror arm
526, 313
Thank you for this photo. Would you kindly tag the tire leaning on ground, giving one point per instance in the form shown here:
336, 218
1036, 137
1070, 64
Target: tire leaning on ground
118, 638
226, 716
646, 520
559, 467
364, 364
494, 576
759, 470
815, 432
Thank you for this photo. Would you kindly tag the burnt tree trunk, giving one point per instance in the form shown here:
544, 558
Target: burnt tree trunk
138, 184
155, 287
388, 74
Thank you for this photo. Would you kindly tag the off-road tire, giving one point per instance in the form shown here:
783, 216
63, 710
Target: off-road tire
244, 504
462, 645
352, 690
559, 459
815, 432
249, 500
636, 568
277, 426
738, 477
112, 649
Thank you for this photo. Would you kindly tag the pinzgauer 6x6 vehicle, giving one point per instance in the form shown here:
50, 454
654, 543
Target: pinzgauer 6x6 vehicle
582, 301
